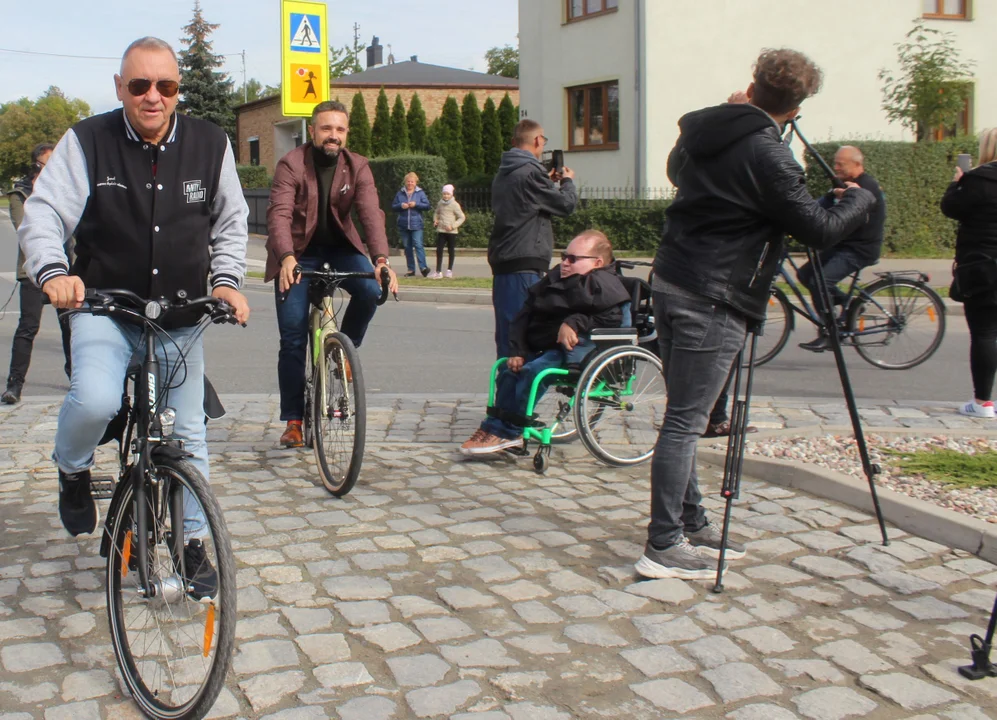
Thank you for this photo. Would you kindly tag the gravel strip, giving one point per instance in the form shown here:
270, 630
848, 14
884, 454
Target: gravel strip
840, 453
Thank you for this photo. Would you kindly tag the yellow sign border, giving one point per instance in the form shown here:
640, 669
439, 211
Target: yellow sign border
288, 57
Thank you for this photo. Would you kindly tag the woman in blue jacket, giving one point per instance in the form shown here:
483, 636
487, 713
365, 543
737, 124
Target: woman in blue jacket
410, 203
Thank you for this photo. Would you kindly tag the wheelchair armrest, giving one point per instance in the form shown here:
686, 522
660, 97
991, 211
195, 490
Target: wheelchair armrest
605, 337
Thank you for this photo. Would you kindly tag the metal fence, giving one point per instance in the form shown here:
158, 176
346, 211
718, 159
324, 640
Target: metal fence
479, 199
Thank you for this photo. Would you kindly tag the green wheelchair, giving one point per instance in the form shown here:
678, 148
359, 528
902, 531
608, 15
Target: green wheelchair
614, 401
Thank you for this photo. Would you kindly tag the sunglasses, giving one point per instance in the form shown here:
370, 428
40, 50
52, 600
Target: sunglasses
140, 86
568, 257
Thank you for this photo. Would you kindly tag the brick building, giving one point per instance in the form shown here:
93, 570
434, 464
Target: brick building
264, 134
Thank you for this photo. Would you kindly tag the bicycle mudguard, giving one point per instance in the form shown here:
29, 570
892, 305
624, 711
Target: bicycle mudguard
112, 511
169, 452
213, 407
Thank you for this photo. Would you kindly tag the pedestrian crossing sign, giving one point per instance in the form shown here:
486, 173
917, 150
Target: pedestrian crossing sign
304, 57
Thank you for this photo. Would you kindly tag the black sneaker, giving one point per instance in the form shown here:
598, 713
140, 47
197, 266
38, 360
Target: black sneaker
425, 272
77, 508
12, 395
198, 574
676, 561
707, 541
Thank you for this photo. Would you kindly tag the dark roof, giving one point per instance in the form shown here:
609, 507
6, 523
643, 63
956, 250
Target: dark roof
418, 74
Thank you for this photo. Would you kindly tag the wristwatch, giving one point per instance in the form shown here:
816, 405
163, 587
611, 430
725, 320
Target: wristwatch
379, 258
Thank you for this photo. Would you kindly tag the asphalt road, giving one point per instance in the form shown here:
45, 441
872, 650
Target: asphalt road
423, 348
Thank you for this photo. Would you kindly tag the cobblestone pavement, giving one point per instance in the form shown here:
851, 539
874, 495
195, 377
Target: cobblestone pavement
443, 588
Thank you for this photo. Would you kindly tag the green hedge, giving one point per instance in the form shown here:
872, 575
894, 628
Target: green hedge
633, 225
253, 176
914, 177
389, 176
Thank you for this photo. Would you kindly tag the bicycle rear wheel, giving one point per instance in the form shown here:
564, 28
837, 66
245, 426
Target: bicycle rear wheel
339, 414
896, 323
775, 332
620, 405
174, 649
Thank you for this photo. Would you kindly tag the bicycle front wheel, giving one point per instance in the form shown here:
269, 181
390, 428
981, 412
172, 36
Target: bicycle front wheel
339, 414
620, 405
775, 332
896, 324
173, 641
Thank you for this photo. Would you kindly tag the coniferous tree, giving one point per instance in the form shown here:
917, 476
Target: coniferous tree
380, 132
399, 127
491, 137
434, 145
205, 92
507, 121
451, 145
416, 120
359, 138
470, 118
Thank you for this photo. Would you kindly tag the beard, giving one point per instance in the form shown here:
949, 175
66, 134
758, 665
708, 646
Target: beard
331, 149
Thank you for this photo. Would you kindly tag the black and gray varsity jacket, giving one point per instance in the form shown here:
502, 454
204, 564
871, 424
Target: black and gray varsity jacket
153, 219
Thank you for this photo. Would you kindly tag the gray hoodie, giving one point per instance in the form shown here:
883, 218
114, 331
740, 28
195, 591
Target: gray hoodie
523, 199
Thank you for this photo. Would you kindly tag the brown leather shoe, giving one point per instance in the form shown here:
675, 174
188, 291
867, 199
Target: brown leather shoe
723, 430
292, 435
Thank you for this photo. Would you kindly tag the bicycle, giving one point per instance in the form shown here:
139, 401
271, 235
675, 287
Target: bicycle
173, 634
881, 319
335, 399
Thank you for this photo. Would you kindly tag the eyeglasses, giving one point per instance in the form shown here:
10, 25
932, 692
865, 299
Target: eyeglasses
569, 257
140, 86
544, 137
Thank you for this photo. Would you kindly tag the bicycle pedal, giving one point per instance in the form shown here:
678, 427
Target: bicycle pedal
102, 488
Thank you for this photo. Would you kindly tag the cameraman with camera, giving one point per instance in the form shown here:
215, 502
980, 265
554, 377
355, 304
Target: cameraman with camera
525, 195
740, 191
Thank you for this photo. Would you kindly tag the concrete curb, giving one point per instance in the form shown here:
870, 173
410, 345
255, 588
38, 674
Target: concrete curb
917, 517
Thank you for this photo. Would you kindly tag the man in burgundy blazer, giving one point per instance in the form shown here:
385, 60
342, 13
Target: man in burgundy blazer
315, 186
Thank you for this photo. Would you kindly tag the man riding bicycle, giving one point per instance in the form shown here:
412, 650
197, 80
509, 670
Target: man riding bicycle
315, 186
156, 205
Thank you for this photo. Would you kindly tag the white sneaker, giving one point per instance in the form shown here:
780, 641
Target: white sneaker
974, 409
436, 275
447, 274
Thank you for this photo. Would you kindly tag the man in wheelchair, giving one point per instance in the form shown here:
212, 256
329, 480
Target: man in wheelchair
583, 293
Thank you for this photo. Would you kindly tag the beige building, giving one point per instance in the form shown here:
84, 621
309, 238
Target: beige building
615, 111
264, 134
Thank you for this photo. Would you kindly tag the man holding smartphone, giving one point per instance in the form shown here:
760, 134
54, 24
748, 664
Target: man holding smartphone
525, 195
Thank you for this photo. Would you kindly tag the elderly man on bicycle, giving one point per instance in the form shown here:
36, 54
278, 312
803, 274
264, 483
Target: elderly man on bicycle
858, 250
315, 187
156, 205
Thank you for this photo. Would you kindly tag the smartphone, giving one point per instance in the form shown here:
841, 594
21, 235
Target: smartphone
964, 162
557, 160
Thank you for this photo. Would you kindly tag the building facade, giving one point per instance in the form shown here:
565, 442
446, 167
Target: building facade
264, 134
609, 79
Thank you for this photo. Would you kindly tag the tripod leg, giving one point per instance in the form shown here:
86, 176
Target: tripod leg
734, 462
825, 309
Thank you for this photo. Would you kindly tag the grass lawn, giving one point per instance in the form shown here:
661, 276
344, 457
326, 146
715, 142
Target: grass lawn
949, 467
484, 283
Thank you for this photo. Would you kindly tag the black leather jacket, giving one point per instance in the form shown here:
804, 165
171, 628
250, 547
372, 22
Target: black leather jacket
740, 191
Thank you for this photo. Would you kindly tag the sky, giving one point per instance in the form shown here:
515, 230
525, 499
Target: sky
454, 33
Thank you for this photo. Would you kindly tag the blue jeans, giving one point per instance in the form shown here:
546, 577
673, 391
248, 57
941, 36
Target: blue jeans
512, 390
838, 264
508, 297
101, 350
698, 340
414, 249
292, 320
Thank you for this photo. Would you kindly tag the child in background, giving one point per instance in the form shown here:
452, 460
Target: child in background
447, 218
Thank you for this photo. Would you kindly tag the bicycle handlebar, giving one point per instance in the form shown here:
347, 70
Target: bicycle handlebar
335, 277
106, 302
631, 264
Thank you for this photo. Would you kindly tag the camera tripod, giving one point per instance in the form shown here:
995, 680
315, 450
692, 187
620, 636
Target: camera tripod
734, 461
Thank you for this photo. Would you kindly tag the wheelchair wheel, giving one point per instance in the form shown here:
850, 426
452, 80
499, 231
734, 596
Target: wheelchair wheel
620, 405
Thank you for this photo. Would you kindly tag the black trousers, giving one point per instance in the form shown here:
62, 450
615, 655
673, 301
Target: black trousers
450, 241
27, 328
982, 322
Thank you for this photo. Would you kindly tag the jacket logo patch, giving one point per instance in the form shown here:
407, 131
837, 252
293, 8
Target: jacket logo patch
111, 181
193, 190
